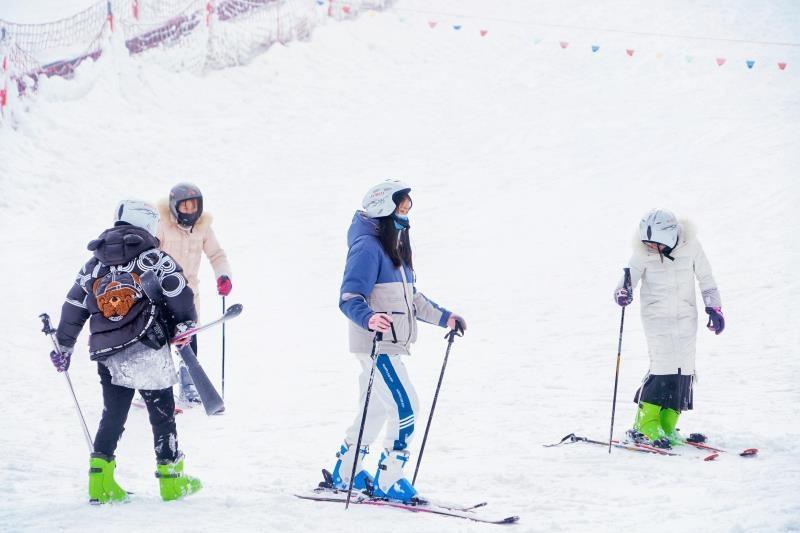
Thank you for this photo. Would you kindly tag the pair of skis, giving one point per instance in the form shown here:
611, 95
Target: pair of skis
325, 493
713, 452
212, 401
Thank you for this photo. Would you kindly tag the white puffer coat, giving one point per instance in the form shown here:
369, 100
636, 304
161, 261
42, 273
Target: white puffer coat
668, 300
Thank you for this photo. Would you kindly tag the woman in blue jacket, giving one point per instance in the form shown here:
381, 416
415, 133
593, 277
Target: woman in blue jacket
378, 294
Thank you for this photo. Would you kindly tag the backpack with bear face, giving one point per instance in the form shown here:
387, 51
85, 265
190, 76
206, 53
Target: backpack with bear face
126, 311
117, 293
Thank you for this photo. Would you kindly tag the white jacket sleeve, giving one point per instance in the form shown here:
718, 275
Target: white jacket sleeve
708, 287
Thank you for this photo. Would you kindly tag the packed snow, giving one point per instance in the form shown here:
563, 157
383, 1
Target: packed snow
531, 165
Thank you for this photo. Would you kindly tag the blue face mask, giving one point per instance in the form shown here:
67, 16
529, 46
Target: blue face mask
400, 222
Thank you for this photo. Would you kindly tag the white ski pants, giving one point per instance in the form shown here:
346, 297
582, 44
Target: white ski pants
393, 402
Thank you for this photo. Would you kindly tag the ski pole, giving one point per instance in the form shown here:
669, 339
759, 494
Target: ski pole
450, 337
223, 350
47, 329
626, 283
375, 340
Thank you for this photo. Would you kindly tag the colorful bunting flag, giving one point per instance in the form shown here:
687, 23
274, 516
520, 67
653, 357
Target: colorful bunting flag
456, 27
484, 32
750, 63
782, 66
563, 44
595, 48
629, 51
432, 24
720, 61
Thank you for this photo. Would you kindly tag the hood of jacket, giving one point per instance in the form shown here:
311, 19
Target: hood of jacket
122, 244
686, 233
166, 215
360, 227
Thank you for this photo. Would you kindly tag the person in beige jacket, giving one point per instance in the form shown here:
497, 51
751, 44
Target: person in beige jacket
185, 233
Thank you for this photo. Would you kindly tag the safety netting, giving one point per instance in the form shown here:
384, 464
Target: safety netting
192, 35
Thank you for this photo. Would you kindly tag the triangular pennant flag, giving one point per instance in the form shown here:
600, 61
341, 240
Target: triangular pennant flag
595, 48
563, 44
720, 61
782, 66
750, 63
346, 9
484, 32
456, 27
629, 51
321, 2
432, 24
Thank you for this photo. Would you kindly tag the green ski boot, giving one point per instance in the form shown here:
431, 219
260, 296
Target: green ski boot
102, 486
173, 482
648, 425
669, 419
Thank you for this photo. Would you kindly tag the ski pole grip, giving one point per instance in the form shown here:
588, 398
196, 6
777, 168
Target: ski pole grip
627, 282
378, 336
47, 327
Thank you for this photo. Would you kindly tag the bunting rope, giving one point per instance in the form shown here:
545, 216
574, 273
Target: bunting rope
458, 16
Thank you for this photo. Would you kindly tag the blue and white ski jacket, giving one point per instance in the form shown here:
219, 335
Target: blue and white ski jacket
372, 284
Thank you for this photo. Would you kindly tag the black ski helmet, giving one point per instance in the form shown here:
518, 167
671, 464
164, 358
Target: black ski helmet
180, 193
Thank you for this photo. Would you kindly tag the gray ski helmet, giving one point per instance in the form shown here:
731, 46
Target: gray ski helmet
382, 199
661, 227
137, 213
180, 193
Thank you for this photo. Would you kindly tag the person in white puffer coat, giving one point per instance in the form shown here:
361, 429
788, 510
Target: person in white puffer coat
667, 259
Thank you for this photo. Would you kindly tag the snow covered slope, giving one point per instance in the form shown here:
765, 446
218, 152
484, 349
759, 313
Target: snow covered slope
531, 165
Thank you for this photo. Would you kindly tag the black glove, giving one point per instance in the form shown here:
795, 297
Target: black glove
716, 322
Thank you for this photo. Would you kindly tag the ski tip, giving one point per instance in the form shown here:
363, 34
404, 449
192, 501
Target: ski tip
749, 452
510, 520
711, 457
234, 310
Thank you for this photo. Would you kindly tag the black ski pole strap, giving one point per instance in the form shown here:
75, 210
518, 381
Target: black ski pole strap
571, 438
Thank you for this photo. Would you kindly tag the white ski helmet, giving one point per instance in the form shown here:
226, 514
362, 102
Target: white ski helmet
661, 227
137, 213
381, 200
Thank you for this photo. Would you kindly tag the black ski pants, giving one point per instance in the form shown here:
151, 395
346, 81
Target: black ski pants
117, 403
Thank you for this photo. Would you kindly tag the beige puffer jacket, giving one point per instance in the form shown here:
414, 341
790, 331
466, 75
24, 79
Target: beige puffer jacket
186, 246
668, 300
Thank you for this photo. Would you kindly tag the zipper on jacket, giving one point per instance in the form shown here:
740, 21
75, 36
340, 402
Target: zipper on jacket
405, 297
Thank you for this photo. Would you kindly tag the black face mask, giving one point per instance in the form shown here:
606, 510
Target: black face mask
188, 220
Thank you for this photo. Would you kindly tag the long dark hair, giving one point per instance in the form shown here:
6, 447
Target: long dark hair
398, 249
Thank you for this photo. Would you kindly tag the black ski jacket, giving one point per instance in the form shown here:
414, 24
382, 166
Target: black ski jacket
108, 291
